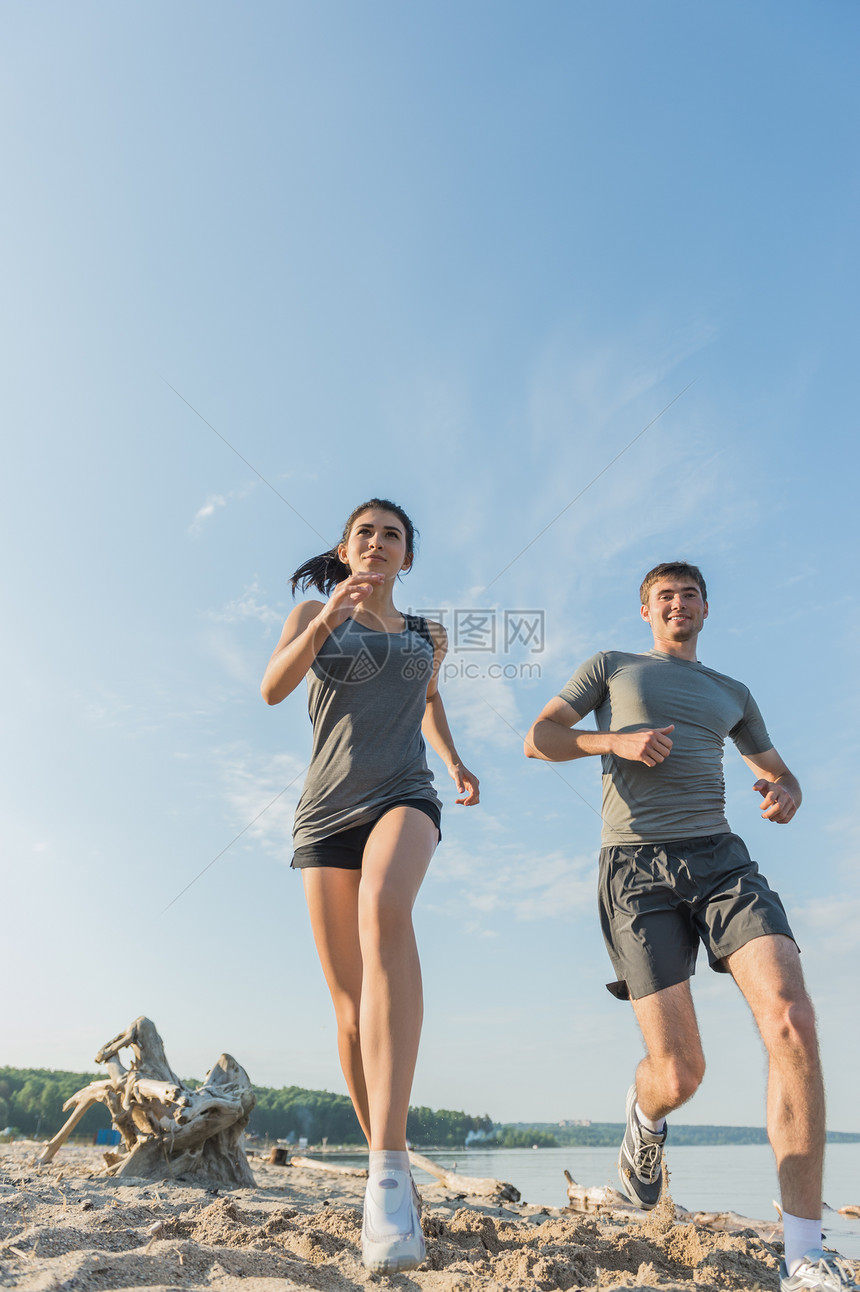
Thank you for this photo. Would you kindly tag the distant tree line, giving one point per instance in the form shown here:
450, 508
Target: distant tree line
31, 1102
513, 1137
294, 1113
606, 1134
444, 1128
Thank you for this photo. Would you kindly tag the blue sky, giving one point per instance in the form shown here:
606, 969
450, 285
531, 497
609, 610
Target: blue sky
460, 256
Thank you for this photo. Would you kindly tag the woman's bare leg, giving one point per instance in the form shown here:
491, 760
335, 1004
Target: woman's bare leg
396, 857
332, 897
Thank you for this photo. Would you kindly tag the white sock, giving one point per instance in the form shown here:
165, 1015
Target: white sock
657, 1127
388, 1159
800, 1236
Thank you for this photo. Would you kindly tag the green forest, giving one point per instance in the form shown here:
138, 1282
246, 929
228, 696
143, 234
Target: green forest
31, 1103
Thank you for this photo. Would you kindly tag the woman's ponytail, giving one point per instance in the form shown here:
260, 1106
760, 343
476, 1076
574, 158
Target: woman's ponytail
322, 572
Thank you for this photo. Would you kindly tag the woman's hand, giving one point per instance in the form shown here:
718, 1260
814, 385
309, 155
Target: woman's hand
347, 596
467, 784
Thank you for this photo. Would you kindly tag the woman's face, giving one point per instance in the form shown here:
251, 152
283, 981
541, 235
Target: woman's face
376, 545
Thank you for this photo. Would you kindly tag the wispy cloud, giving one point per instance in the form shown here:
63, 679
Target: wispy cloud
585, 402
248, 605
239, 661
484, 711
501, 879
148, 706
579, 383
214, 502
204, 513
831, 921
250, 783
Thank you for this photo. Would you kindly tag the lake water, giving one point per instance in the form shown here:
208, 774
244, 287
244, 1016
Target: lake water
721, 1177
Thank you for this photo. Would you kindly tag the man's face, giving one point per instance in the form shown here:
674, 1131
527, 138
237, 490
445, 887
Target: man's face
676, 610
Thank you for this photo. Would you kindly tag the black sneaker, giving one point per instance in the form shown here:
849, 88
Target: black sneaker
819, 1272
640, 1161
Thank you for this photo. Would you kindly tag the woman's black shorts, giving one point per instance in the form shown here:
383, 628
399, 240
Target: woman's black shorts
345, 850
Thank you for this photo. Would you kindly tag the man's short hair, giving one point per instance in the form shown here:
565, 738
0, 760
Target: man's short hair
672, 570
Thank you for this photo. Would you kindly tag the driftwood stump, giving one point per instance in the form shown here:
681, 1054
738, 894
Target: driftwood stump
168, 1129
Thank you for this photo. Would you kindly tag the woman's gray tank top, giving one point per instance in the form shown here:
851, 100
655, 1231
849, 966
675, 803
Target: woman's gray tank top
366, 697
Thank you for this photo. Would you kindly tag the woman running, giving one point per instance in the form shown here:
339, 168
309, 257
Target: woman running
365, 829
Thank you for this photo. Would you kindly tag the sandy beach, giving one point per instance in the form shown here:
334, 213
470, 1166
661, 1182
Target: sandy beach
64, 1226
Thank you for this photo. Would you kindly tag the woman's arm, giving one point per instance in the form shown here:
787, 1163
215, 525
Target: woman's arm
299, 644
436, 730
307, 627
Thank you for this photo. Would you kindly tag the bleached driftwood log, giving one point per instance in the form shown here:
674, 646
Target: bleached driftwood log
600, 1200
168, 1129
605, 1201
472, 1186
313, 1164
729, 1222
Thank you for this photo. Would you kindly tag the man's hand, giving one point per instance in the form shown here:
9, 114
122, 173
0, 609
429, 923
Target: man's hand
779, 803
649, 747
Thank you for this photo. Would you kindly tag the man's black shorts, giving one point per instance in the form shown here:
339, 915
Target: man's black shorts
658, 900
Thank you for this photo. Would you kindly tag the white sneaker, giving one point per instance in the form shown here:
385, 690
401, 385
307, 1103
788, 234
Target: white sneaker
819, 1272
391, 1237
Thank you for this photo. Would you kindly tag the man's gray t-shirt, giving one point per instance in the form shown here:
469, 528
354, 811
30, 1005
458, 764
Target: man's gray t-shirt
684, 796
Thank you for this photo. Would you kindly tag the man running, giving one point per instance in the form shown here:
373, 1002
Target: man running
672, 874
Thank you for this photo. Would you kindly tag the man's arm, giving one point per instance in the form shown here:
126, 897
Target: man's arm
777, 786
551, 739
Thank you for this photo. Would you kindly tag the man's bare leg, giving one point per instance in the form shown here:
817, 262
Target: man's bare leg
768, 972
668, 1075
674, 1064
